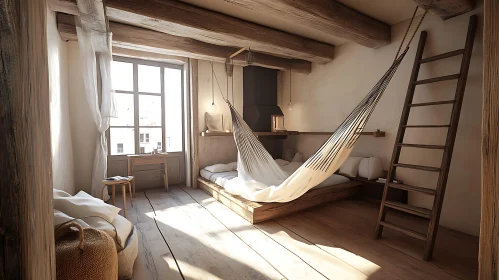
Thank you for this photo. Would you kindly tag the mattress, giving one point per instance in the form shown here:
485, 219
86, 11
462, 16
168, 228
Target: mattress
221, 178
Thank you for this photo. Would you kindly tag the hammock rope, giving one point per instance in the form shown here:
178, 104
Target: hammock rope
261, 179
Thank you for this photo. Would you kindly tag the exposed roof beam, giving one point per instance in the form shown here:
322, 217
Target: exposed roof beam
141, 39
448, 8
180, 19
327, 16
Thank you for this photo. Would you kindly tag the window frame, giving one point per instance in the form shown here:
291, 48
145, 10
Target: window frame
118, 147
136, 93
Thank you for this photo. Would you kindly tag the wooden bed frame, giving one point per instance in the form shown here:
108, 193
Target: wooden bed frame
256, 212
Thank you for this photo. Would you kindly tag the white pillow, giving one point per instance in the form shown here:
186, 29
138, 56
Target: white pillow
281, 162
232, 166
61, 193
298, 157
288, 154
217, 168
214, 122
351, 166
60, 218
82, 205
370, 168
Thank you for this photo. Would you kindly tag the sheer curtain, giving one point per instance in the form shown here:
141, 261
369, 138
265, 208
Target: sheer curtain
95, 51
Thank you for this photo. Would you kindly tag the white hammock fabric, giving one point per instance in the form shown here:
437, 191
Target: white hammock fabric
261, 179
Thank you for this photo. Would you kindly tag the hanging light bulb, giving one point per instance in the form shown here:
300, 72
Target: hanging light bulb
290, 105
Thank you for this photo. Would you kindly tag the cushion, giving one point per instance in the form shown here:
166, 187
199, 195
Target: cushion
220, 167
232, 166
61, 193
371, 168
82, 205
60, 218
281, 162
127, 257
351, 166
214, 122
288, 154
298, 157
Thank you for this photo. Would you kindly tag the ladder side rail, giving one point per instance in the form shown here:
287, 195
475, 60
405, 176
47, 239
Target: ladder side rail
401, 130
450, 140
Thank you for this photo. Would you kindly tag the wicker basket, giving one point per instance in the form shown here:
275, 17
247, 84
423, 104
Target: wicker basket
84, 253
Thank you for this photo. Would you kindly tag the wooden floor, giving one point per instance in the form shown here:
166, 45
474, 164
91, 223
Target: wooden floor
186, 234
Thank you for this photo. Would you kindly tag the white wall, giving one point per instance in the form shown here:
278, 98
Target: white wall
322, 100
83, 130
62, 151
220, 149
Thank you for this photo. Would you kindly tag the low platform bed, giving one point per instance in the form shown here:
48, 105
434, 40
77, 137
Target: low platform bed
256, 212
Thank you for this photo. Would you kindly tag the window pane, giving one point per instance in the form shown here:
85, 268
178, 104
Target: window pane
122, 75
149, 79
124, 108
173, 110
149, 110
122, 141
152, 138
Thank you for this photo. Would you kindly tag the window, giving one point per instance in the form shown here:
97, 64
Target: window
120, 148
144, 139
149, 106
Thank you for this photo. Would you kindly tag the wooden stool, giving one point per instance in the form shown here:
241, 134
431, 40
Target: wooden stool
123, 184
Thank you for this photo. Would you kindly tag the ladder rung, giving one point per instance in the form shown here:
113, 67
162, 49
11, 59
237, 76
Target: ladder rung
421, 146
420, 167
442, 56
426, 126
418, 211
437, 79
403, 230
432, 103
412, 188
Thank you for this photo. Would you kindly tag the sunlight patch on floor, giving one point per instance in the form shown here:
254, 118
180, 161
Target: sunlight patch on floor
360, 263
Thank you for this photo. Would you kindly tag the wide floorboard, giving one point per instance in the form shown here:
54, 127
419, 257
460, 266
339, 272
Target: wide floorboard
186, 234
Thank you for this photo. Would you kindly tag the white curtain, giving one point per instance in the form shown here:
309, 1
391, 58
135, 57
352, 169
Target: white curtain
92, 50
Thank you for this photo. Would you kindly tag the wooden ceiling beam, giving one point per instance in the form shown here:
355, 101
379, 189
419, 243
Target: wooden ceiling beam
447, 8
145, 40
326, 16
181, 19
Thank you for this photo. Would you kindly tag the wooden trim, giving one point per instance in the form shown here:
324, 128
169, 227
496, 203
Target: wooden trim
148, 41
447, 8
256, 212
376, 133
193, 70
489, 225
26, 212
327, 16
130, 53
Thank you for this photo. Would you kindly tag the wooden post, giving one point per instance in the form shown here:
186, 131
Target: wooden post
26, 212
193, 96
489, 226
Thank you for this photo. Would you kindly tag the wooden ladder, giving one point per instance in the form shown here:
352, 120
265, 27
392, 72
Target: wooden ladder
438, 194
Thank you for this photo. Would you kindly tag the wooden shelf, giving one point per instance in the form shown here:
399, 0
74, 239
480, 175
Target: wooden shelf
377, 133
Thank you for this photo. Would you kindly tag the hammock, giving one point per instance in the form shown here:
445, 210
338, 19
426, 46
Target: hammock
261, 179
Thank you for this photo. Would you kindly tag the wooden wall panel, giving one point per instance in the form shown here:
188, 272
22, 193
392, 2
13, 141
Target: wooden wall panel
147, 178
489, 226
26, 213
194, 86
218, 149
